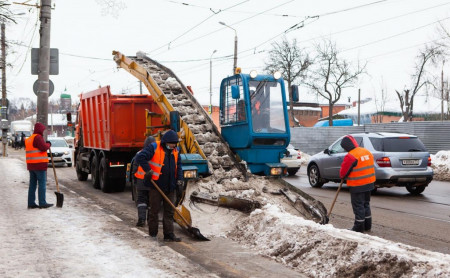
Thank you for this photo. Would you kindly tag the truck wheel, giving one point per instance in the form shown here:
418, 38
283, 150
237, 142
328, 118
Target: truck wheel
314, 176
415, 190
104, 181
94, 172
82, 176
292, 171
120, 184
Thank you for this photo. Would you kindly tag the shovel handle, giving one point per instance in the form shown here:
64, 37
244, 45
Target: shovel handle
54, 171
335, 197
170, 203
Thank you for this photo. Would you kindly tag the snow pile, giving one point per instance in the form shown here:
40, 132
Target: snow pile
323, 251
441, 165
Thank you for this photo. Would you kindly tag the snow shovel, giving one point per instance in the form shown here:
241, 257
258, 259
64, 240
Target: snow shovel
59, 195
186, 225
335, 197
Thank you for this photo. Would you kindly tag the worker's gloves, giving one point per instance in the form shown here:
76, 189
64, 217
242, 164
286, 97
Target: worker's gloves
48, 142
148, 175
179, 191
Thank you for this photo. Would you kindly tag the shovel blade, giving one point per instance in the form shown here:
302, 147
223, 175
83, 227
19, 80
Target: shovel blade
59, 199
186, 214
196, 234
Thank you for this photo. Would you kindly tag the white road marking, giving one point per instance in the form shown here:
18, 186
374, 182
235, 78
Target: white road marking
115, 217
139, 232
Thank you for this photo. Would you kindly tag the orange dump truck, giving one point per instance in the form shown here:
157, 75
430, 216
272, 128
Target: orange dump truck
110, 129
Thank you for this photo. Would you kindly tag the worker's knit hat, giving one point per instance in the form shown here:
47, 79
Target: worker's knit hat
348, 143
170, 137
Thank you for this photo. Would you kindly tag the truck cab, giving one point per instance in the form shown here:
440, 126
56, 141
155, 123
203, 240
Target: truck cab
254, 121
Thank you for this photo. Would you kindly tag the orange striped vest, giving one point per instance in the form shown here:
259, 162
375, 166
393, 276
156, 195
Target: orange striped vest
157, 162
364, 172
32, 154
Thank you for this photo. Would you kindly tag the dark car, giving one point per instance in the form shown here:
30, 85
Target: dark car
400, 160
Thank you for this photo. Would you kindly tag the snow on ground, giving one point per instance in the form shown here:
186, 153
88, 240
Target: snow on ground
78, 240
313, 249
81, 240
440, 162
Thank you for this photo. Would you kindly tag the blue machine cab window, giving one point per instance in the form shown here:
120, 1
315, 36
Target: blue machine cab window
233, 110
267, 107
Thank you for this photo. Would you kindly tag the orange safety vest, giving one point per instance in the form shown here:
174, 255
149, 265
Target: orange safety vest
157, 162
364, 172
32, 154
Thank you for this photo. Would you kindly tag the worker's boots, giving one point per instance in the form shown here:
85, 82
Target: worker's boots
368, 223
171, 237
142, 215
358, 227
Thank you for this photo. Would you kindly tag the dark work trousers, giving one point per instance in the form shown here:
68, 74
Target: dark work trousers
361, 209
142, 203
141, 199
155, 205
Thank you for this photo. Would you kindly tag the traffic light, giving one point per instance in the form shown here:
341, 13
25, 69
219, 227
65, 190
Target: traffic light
69, 117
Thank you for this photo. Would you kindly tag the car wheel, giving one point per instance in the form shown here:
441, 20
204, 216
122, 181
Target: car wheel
314, 176
415, 190
69, 164
292, 171
94, 172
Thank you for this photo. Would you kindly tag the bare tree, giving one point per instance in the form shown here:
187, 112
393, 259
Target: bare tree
111, 7
5, 12
419, 79
292, 62
380, 102
331, 74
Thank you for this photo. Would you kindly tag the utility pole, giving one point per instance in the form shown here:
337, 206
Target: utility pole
44, 64
442, 92
4, 102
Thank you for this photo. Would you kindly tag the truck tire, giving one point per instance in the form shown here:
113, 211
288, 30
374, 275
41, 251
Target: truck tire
104, 181
120, 184
82, 176
94, 172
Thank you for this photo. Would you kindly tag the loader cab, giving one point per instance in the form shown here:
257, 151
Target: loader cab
254, 122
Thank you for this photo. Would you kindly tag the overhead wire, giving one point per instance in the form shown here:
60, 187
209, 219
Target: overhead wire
393, 36
198, 24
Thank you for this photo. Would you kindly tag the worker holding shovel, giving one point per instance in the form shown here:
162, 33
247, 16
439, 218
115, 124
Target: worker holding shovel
160, 163
359, 171
37, 162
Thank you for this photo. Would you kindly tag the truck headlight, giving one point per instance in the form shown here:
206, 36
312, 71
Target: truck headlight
190, 174
253, 73
276, 171
277, 75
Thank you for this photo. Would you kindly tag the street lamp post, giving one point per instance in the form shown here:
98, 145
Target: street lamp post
235, 45
210, 82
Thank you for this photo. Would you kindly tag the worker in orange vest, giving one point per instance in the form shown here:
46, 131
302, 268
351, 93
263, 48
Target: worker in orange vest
37, 162
160, 161
142, 190
359, 171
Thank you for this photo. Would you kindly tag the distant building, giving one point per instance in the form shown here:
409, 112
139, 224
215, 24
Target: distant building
57, 124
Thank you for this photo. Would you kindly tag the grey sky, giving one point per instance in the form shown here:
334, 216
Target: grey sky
386, 33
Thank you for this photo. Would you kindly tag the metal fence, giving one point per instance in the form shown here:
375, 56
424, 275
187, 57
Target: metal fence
435, 135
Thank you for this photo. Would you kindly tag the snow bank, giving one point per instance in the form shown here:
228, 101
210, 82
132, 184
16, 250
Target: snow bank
323, 251
441, 165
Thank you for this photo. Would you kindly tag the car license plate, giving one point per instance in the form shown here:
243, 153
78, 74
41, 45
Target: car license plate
410, 162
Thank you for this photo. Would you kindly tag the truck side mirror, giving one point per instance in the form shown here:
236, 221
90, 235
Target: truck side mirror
235, 94
175, 121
